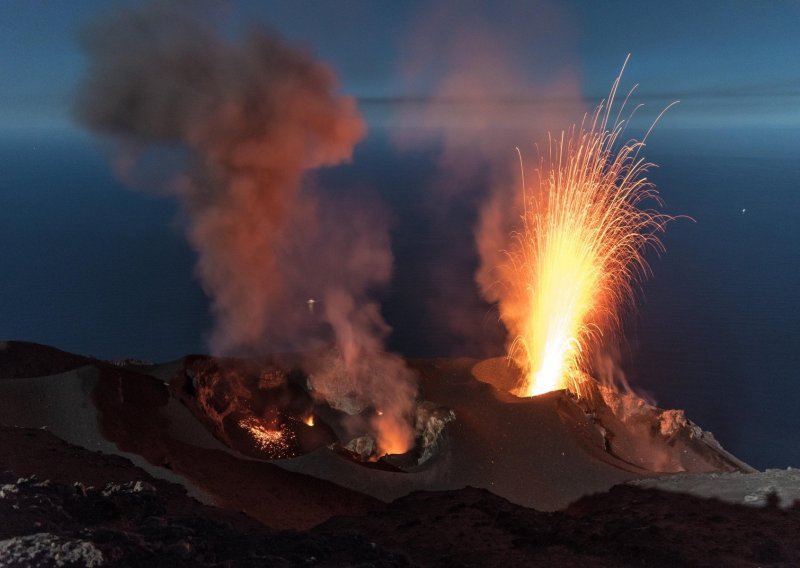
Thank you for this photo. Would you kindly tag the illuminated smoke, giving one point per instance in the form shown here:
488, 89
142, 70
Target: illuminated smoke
255, 116
350, 248
249, 120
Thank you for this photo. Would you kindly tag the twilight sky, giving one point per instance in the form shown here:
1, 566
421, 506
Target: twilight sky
732, 63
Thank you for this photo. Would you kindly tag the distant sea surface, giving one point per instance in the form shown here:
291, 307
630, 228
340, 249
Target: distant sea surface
90, 266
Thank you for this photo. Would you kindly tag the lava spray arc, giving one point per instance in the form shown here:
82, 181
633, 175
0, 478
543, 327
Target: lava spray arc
572, 265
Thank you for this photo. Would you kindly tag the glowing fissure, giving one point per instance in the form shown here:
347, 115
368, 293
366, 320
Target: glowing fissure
572, 264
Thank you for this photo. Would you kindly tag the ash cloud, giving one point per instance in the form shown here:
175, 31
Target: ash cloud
253, 118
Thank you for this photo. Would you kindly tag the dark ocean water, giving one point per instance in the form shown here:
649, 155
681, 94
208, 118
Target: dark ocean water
92, 267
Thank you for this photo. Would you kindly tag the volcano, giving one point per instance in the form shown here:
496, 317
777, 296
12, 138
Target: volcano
129, 440
180, 422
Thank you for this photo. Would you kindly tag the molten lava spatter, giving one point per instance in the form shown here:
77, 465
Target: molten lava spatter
572, 264
277, 442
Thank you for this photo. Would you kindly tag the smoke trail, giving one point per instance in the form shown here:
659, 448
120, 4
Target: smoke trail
253, 116
349, 248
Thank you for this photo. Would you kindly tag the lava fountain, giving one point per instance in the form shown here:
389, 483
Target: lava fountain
573, 263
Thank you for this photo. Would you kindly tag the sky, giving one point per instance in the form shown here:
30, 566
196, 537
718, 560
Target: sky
732, 63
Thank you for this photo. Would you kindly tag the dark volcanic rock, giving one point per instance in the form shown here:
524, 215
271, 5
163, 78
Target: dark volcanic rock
50, 524
227, 395
97, 506
22, 359
130, 414
45, 549
626, 526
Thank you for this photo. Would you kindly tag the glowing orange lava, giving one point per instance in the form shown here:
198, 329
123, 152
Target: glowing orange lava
572, 264
268, 439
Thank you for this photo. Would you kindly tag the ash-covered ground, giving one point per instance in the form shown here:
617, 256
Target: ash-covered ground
142, 480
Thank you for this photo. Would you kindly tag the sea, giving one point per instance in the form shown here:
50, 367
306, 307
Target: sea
90, 266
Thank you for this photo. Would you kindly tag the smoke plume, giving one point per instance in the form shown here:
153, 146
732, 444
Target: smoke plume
253, 117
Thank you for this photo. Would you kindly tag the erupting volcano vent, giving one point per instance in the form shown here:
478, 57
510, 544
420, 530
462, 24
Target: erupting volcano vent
572, 264
266, 410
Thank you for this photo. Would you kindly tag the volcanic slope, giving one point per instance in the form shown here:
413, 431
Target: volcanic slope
544, 452
104, 407
61, 502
